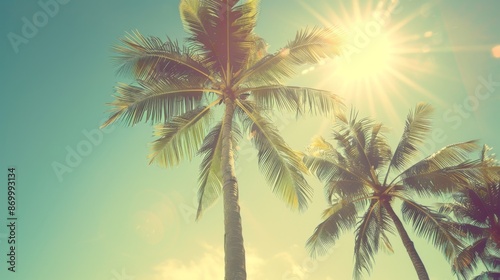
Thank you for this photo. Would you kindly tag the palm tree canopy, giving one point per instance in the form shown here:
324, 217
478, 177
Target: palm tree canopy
223, 63
362, 176
476, 210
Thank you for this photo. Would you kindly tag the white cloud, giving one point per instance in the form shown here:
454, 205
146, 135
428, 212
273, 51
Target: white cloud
208, 266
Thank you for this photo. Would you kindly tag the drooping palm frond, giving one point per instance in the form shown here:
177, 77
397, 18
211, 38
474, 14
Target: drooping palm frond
299, 100
338, 219
310, 46
181, 137
432, 226
416, 129
154, 102
469, 258
339, 179
151, 58
476, 204
282, 167
487, 275
210, 179
367, 238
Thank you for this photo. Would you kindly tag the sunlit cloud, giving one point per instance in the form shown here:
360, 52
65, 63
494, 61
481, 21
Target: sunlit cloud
208, 265
496, 51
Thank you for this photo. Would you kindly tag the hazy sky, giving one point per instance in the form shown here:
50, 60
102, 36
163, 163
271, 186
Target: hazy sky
90, 206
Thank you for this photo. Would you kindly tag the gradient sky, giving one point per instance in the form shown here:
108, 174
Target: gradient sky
111, 216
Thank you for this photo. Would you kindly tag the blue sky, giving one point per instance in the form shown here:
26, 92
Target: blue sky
109, 215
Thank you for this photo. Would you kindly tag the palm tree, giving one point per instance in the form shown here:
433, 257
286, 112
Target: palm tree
361, 196
223, 65
476, 210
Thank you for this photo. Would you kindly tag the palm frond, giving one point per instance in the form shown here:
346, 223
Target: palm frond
299, 100
222, 31
338, 219
417, 127
310, 46
210, 179
282, 167
181, 137
352, 137
432, 181
367, 237
151, 58
487, 275
432, 226
338, 178
469, 258
378, 149
154, 102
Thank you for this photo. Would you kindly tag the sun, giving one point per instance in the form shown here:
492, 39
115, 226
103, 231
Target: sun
370, 64
380, 61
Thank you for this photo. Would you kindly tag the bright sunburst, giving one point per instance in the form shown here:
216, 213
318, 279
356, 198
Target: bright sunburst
379, 58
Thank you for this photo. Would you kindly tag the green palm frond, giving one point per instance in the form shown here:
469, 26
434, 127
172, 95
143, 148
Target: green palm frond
341, 217
338, 178
469, 258
310, 46
181, 137
487, 275
210, 179
153, 102
416, 129
378, 149
282, 167
151, 58
352, 137
432, 226
448, 156
367, 237
299, 100
222, 31
426, 180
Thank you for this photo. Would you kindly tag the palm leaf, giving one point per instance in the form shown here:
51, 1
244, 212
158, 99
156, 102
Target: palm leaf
487, 275
151, 58
352, 136
310, 46
339, 218
434, 181
469, 258
154, 102
181, 137
378, 150
432, 226
281, 166
338, 178
416, 129
296, 99
221, 31
366, 242
210, 179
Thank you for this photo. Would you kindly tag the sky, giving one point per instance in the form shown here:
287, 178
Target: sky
88, 204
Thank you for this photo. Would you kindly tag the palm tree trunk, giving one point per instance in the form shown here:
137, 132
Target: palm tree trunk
412, 252
233, 237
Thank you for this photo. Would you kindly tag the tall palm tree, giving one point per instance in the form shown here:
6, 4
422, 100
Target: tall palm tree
476, 210
356, 175
224, 65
